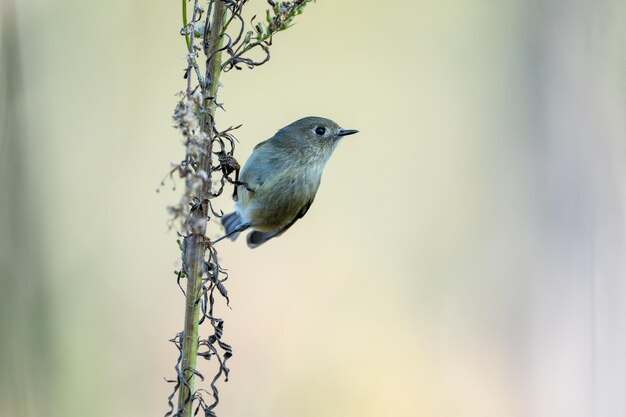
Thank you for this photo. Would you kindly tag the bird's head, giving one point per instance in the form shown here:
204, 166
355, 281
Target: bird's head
314, 134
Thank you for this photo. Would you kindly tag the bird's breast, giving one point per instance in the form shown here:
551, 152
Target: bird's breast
279, 200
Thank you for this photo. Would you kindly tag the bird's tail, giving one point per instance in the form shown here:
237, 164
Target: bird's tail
234, 224
256, 238
231, 223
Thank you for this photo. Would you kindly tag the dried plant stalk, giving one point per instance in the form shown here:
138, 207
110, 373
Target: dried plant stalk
195, 243
207, 167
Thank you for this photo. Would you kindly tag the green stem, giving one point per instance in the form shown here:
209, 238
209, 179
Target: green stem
185, 22
196, 242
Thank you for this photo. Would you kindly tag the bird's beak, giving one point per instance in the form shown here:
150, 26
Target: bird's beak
346, 132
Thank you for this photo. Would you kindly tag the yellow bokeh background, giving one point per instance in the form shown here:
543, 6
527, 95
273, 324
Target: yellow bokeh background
464, 256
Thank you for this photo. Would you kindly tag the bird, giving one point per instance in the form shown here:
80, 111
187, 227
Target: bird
280, 179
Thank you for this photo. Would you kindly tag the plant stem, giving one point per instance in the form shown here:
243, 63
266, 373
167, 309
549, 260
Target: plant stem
185, 21
196, 242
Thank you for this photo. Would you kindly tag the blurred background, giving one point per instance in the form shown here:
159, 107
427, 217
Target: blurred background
464, 256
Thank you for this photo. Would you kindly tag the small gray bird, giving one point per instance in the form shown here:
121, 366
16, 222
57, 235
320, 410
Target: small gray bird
279, 181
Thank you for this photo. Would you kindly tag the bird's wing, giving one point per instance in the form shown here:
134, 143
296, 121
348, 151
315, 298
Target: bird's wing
255, 172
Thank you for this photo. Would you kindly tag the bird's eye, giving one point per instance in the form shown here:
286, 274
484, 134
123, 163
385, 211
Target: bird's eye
320, 130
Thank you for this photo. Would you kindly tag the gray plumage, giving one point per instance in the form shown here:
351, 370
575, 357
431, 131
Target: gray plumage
278, 183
